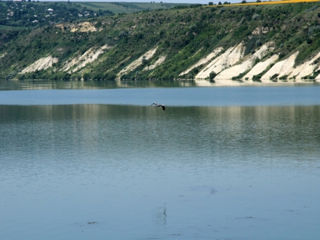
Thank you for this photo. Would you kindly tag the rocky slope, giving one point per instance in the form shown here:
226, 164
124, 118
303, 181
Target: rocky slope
212, 46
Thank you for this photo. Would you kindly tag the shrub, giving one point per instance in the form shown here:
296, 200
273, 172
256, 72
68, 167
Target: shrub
212, 76
274, 77
283, 78
257, 78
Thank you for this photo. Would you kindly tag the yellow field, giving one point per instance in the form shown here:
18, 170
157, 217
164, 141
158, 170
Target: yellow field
267, 3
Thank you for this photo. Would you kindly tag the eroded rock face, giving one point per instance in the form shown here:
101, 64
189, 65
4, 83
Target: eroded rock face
306, 69
247, 63
227, 59
157, 63
281, 68
260, 67
79, 62
41, 64
203, 61
233, 65
79, 27
136, 63
83, 27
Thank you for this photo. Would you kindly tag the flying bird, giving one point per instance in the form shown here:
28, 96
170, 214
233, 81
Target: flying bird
163, 107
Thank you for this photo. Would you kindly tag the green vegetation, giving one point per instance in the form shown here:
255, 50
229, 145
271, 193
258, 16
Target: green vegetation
183, 35
127, 7
35, 14
274, 77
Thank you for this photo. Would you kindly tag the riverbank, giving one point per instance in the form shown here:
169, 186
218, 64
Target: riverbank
247, 43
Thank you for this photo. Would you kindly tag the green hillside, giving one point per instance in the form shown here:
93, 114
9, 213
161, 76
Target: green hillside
35, 14
180, 37
126, 7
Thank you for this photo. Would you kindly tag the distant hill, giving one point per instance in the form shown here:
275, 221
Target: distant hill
221, 45
127, 7
34, 14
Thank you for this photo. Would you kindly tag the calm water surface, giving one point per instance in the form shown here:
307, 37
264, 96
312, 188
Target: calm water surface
135, 172
191, 96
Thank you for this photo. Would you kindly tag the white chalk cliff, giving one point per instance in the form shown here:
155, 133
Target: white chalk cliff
261, 66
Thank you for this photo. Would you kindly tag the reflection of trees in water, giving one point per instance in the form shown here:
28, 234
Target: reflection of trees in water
241, 131
48, 84
203, 133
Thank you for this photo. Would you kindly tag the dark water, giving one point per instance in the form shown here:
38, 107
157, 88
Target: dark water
135, 172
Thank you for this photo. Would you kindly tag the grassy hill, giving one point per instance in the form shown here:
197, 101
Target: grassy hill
160, 44
127, 7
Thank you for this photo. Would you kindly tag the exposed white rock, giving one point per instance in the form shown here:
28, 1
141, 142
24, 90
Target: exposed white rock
260, 30
318, 77
80, 62
305, 69
2, 55
157, 63
260, 67
230, 57
203, 61
83, 27
282, 68
136, 63
40, 64
246, 65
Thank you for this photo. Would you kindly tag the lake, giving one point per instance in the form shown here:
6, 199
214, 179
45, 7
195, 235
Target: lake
219, 163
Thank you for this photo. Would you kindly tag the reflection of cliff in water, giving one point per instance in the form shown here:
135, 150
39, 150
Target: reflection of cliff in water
48, 84
192, 133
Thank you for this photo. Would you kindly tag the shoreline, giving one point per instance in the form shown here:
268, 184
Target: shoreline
234, 83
